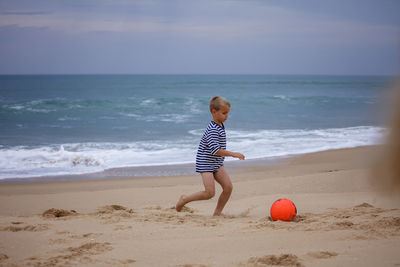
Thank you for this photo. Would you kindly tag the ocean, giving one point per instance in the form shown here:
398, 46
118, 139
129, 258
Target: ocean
78, 124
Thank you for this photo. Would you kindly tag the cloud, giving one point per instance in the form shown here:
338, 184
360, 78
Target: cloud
24, 13
216, 21
187, 36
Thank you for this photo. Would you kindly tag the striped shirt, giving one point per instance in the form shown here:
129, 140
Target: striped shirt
214, 138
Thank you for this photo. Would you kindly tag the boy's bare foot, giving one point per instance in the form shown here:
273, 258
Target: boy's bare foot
181, 202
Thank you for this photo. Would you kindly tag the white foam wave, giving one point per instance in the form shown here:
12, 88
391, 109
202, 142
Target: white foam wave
89, 157
16, 107
133, 115
194, 106
177, 118
31, 106
148, 102
67, 118
283, 97
173, 117
272, 143
93, 157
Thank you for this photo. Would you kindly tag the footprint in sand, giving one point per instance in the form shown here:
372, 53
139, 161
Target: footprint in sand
126, 262
191, 265
122, 227
157, 214
73, 255
29, 228
170, 209
281, 260
285, 259
114, 208
114, 213
91, 248
322, 254
70, 237
57, 213
3, 257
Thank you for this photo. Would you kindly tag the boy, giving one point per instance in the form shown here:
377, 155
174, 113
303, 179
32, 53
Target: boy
210, 158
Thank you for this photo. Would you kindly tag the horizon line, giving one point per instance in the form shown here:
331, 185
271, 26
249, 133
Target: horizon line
199, 74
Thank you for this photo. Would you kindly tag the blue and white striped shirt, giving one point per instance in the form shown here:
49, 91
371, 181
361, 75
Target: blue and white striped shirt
214, 138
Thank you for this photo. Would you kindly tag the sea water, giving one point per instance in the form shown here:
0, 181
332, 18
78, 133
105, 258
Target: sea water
74, 124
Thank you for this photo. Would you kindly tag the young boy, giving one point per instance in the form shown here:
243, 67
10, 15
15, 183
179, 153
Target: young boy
210, 158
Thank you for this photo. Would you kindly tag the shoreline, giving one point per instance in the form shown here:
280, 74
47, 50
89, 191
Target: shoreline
323, 162
159, 170
145, 171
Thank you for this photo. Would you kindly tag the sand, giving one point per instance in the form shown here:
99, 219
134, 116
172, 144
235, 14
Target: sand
342, 219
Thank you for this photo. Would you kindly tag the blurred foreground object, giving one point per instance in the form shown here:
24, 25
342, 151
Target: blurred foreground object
387, 173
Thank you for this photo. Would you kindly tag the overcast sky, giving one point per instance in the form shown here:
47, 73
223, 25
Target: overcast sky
200, 37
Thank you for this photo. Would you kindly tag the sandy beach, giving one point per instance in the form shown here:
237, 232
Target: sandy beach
343, 220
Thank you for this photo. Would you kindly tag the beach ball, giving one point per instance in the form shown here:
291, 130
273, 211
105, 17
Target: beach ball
283, 209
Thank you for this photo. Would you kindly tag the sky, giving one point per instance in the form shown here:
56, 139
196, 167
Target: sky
333, 37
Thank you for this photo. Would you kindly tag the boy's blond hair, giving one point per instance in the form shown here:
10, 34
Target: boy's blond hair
217, 102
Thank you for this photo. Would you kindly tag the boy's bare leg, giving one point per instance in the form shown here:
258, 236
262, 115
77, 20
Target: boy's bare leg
209, 191
222, 177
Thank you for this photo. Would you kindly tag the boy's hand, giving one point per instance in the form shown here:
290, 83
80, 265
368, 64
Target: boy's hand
225, 153
239, 156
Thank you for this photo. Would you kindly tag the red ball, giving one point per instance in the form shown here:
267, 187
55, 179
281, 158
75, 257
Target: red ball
284, 210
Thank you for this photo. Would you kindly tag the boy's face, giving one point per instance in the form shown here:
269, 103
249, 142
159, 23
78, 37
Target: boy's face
221, 115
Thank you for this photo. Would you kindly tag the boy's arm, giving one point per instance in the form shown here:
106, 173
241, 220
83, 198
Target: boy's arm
226, 153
